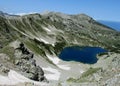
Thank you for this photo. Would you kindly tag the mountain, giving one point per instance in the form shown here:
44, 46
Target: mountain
112, 24
30, 46
6, 14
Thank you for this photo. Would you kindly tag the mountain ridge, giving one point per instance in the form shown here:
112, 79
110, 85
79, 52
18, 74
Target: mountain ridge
46, 35
113, 24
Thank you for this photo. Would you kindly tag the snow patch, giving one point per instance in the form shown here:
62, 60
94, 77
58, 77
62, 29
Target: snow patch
14, 78
64, 67
46, 42
41, 39
54, 75
54, 59
81, 71
47, 29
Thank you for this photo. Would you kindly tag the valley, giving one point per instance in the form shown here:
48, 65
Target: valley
44, 36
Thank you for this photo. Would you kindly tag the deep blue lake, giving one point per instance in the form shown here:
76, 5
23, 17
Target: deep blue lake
81, 54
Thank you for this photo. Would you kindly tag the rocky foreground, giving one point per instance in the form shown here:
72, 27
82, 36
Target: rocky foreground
23, 62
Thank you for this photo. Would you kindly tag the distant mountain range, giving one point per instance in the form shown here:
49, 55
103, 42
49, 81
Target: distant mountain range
112, 24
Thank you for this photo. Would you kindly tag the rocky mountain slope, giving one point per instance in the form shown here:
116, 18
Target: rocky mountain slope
45, 35
113, 24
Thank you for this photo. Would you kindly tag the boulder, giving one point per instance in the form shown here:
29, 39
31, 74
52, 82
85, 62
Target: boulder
4, 69
27, 64
40, 71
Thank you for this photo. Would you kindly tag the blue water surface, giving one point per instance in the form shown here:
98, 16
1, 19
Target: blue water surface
81, 54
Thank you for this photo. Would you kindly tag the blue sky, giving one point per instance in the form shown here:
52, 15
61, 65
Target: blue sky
98, 9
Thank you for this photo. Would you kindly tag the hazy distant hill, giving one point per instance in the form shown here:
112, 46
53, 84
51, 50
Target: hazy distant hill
112, 24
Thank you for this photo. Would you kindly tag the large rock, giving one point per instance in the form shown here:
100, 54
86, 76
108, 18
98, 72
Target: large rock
4, 69
27, 64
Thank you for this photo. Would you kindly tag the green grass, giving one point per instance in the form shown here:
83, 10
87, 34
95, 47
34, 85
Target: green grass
35, 48
10, 52
90, 71
71, 79
104, 53
59, 46
77, 80
84, 76
46, 47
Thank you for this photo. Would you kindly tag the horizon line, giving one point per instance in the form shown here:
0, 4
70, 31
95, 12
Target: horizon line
46, 11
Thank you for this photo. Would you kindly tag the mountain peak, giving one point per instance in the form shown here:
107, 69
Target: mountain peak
83, 16
3, 14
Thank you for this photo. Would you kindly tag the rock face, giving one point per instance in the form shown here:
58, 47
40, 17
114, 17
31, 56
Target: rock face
27, 64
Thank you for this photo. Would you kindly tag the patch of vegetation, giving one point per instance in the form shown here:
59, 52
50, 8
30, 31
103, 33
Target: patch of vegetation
77, 80
83, 78
47, 47
34, 47
59, 46
104, 53
90, 71
115, 49
71, 79
10, 52
59, 84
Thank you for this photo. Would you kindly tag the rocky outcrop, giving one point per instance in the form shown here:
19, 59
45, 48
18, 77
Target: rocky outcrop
4, 69
24, 60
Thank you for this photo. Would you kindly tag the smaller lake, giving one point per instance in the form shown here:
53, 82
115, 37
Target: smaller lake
81, 54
